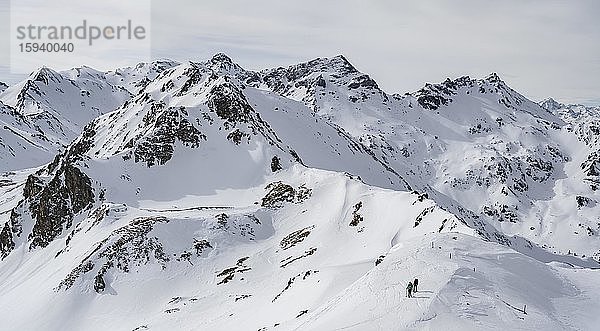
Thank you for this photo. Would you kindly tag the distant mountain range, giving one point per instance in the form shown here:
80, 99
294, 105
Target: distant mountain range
202, 195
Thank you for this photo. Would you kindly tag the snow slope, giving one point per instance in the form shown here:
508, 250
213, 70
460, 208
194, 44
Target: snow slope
44, 113
475, 143
257, 232
201, 195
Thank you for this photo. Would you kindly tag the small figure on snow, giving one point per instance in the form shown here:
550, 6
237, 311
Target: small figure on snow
415, 284
409, 289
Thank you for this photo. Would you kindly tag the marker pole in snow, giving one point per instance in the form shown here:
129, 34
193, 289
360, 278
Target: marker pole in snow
524, 307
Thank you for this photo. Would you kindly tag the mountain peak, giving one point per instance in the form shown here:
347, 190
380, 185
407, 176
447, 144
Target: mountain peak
222, 63
3, 87
221, 58
201, 168
83, 71
493, 78
341, 59
550, 104
45, 74
160, 65
338, 63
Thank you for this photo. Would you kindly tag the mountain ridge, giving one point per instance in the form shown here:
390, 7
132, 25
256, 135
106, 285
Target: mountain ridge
227, 191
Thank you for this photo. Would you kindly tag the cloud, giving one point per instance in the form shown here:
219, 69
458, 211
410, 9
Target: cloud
540, 47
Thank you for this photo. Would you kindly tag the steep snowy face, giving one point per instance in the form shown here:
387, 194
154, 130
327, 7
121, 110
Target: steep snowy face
21, 144
67, 100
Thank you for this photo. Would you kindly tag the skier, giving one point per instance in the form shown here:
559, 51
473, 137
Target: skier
409, 288
415, 284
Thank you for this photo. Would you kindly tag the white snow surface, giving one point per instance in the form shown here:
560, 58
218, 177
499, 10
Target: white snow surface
299, 198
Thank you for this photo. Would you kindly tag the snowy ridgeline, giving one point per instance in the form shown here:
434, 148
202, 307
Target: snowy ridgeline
205, 196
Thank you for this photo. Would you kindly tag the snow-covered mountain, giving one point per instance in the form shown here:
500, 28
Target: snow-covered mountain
472, 143
44, 113
202, 195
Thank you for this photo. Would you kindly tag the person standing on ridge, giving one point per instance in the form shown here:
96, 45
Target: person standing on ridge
415, 284
409, 288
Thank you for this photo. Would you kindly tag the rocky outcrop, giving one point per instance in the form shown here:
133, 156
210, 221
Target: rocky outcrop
54, 205
357, 218
280, 193
127, 247
9, 231
295, 237
275, 164
171, 125
591, 170
228, 102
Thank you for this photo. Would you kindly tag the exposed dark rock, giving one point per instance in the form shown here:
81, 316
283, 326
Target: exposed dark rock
222, 220
275, 164
302, 312
584, 202
363, 81
194, 77
296, 156
356, 216
591, 169
127, 247
54, 206
78, 148
33, 186
158, 147
236, 136
280, 193
422, 215
289, 260
201, 245
295, 237
321, 82
81, 269
10, 229
99, 284
291, 281
229, 103
431, 97
229, 273
242, 297
538, 169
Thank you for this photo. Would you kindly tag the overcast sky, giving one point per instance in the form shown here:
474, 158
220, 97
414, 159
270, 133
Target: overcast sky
541, 48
